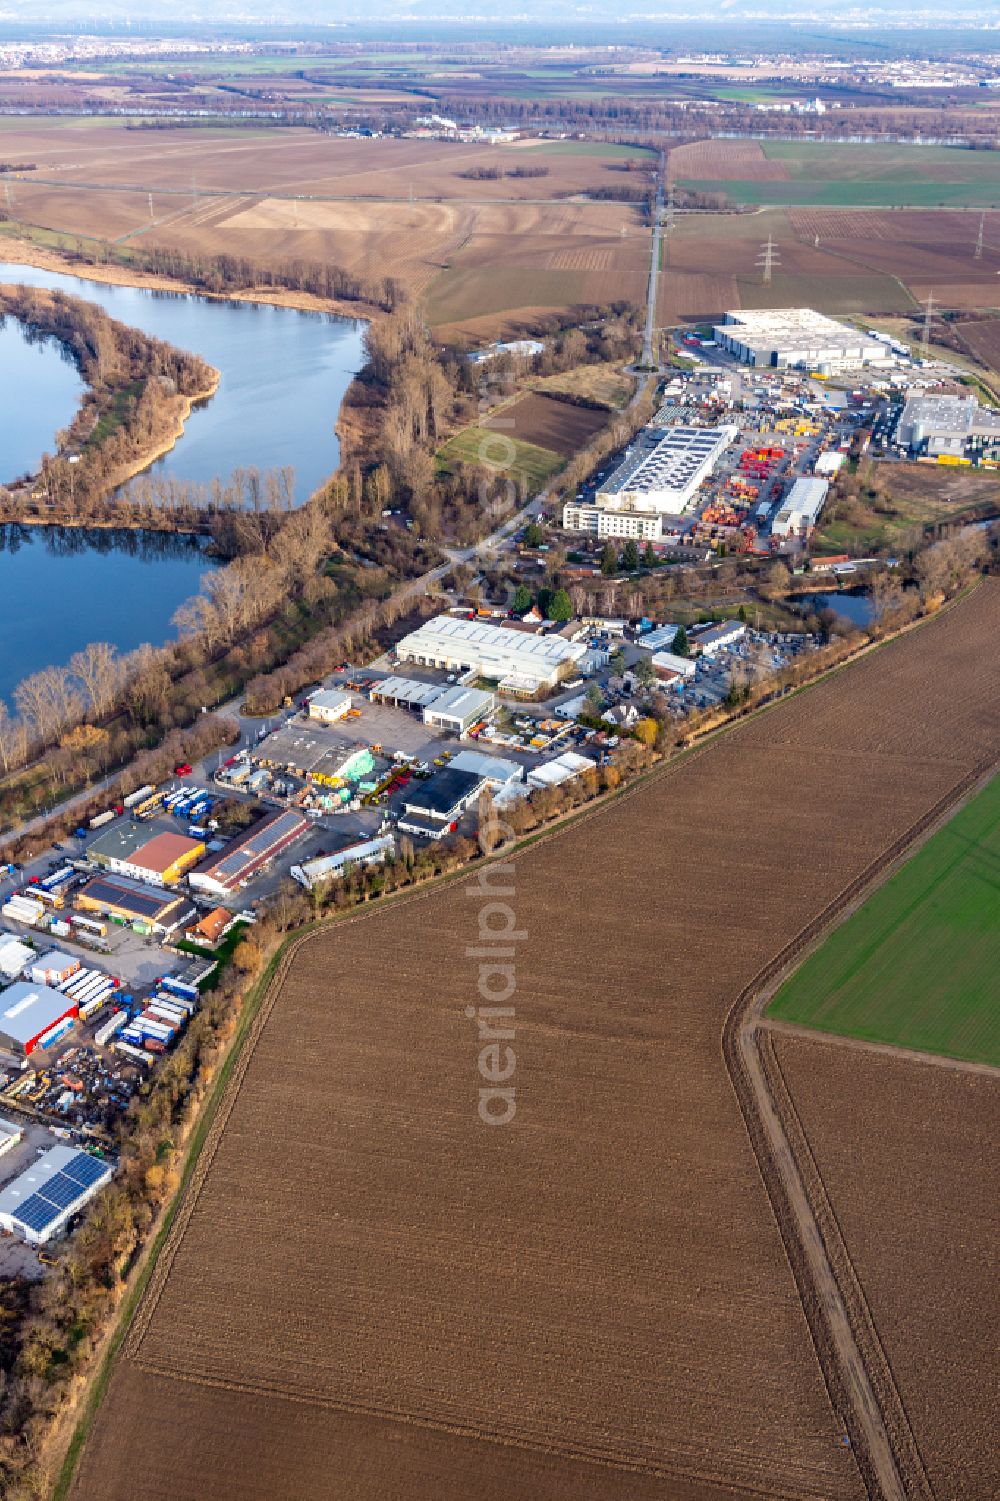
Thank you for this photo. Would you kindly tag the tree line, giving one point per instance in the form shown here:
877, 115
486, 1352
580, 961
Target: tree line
239, 273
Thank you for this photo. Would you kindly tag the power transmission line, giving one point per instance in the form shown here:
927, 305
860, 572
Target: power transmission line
769, 257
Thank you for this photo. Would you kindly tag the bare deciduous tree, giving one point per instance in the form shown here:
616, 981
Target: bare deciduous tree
100, 670
48, 700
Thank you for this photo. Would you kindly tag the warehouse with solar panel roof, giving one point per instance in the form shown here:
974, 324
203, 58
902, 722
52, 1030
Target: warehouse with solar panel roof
40, 1202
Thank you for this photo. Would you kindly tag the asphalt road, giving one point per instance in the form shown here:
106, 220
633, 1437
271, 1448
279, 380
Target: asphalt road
654, 271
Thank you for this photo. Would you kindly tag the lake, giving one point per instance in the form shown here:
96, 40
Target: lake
40, 390
283, 377
858, 608
61, 587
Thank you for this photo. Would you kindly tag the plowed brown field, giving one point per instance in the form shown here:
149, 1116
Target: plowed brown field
559, 425
907, 1152
984, 340
372, 1295
399, 208
726, 159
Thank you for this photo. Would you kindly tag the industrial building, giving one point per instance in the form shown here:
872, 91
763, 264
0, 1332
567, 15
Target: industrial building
14, 956
491, 651
432, 808
496, 771
519, 349
53, 968
946, 426
658, 477
665, 477
660, 638
716, 637
798, 338
126, 849
666, 664
369, 852
126, 901
329, 705
405, 693
10, 1135
572, 708
223, 874
562, 769
29, 1013
39, 1203
458, 709
830, 463
800, 508
313, 755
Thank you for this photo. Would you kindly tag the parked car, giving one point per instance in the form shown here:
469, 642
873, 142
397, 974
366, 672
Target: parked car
182, 769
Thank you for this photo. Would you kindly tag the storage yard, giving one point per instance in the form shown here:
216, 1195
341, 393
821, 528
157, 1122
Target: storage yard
756, 424
629, 1119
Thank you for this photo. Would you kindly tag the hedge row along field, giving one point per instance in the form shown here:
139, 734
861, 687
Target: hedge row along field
368, 1293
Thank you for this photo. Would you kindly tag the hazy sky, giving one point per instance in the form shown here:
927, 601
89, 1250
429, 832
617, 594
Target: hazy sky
99, 14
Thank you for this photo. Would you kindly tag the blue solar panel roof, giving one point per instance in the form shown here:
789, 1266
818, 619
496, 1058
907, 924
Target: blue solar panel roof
37, 1212
84, 1169
60, 1191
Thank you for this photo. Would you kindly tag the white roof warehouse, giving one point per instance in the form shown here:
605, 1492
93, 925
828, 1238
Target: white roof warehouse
780, 338
659, 477
492, 651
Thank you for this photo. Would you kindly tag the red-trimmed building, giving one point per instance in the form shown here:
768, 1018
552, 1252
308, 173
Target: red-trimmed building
27, 1012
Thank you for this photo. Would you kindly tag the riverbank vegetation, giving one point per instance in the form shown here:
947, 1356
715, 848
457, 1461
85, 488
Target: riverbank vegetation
226, 275
139, 392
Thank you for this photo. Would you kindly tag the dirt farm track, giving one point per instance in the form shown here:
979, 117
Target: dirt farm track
370, 1295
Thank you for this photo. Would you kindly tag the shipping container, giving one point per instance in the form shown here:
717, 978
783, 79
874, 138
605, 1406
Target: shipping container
133, 1052
180, 986
172, 1015
54, 1033
182, 1002
139, 796
89, 925
114, 1024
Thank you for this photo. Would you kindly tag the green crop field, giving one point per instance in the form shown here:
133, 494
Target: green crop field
850, 192
918, 965
850, 161
480, 446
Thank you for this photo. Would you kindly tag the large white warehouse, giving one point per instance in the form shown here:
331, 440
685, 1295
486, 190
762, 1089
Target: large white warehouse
800, 508
492, 651
798, 337
659, 476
